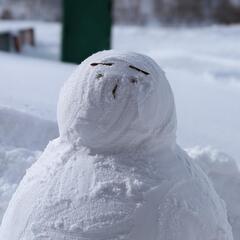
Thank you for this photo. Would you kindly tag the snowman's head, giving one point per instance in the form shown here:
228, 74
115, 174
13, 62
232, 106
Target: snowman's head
117, 101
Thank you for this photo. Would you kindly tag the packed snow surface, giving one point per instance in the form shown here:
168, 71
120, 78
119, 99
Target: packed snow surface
117, 172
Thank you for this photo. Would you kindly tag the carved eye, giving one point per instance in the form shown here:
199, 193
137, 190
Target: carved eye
105, 64
139, 70
133, 80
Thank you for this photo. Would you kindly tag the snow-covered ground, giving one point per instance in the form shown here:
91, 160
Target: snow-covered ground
31, 85
202, 65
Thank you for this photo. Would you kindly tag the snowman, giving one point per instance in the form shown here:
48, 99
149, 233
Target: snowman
116, 172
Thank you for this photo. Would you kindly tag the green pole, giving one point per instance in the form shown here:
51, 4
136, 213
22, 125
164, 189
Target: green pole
86, 28
5, 41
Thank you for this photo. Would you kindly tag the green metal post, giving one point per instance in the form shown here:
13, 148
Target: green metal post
86, 28
5, 42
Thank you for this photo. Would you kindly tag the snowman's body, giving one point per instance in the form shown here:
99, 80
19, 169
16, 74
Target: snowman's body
116, 171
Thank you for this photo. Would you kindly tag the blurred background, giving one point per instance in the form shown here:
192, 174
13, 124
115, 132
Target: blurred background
134, 12
197, 43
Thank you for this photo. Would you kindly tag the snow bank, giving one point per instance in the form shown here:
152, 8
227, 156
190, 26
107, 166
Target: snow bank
32, 85
21, 130
13, 165
21, 135
225, 175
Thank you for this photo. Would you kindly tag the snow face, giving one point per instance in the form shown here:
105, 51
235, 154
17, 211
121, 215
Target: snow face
144, 188
109, 104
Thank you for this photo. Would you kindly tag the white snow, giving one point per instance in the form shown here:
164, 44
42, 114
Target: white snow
21, 138
115, 172
31, 85
121, 99
13, 165
224, 173
21, 130
202, 65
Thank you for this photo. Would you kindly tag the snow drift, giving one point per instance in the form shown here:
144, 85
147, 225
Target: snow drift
21, 130
225, 175
116, 171
13, 165
21, 137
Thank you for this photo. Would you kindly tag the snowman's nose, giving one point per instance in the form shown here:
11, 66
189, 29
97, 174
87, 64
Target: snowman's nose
114, 91
116, 86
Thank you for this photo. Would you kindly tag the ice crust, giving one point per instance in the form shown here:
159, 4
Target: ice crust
116, 171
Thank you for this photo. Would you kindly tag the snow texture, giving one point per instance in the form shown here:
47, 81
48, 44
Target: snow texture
31, 85
225, 175
117, 102
21, 135
116, 171
13, 165
22, 130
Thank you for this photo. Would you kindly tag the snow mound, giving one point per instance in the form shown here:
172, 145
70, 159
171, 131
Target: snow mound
21, 130
106, 103
225, 175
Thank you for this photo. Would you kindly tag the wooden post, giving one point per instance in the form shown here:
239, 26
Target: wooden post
86, 28
17, 43
31, 37
27, 36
